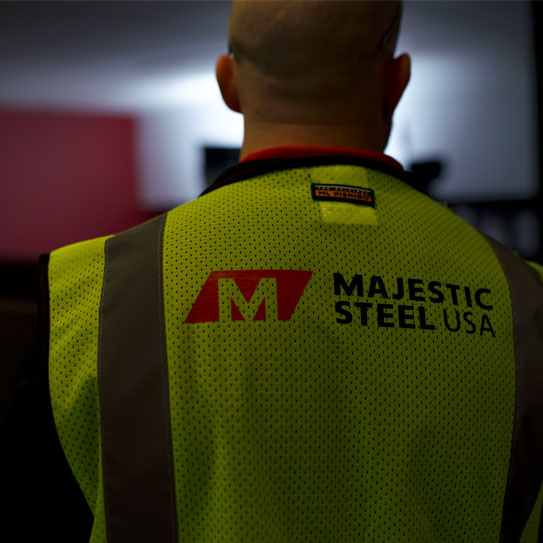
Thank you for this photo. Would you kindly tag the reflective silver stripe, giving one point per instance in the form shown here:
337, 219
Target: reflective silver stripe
139, 487
526, 463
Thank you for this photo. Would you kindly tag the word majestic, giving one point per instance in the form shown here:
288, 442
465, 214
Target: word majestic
406, 315
412, 289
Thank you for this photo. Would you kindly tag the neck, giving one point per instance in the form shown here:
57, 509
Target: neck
263, 135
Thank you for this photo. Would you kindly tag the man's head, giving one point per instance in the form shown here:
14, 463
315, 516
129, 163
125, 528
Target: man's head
314, 63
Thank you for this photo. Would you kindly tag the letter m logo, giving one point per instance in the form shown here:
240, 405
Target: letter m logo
256, 295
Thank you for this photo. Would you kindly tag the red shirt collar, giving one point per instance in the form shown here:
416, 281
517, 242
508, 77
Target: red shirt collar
302, 152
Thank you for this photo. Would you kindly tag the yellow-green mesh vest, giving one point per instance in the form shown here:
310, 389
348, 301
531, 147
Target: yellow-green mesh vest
381, 409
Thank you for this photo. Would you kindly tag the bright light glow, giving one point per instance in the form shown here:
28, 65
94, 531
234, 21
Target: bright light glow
179, 90
180, 118
458, 110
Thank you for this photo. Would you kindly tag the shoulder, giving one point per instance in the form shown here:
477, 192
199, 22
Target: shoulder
519, 272
77, 258
525, 281
538, 268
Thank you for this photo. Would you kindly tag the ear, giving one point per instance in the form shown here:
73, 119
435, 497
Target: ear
225, 70
397, 75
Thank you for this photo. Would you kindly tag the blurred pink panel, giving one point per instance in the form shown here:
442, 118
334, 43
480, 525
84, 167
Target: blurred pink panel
64, 177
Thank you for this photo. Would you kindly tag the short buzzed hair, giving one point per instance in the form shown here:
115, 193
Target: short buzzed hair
308, 50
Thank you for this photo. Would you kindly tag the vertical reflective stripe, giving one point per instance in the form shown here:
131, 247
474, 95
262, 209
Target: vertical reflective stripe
526, 463
137, 461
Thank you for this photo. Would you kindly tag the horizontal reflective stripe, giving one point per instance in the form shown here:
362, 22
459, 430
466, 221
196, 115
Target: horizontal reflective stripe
137, 461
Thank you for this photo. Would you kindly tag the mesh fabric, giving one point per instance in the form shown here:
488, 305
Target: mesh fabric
75, 279
393, 424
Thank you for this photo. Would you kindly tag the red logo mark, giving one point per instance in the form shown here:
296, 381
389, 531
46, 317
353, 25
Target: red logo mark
289, 287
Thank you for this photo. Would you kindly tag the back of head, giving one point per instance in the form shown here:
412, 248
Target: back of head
309, 59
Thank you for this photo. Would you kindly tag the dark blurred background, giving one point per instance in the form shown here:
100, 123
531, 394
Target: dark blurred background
109, 115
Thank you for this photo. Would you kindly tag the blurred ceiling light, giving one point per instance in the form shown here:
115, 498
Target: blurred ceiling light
194, 90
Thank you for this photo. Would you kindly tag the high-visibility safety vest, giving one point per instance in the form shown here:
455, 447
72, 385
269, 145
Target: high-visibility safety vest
311, 351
